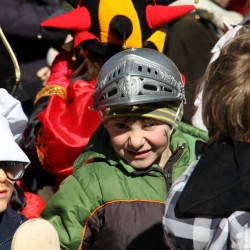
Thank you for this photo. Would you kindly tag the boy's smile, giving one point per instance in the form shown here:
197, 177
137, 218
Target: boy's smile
139, 155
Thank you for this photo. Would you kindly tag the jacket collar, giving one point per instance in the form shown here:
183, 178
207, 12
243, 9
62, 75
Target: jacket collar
220, 183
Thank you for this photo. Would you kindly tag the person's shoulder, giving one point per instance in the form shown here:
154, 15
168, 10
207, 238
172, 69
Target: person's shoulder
15, 215
12, 220
192, 132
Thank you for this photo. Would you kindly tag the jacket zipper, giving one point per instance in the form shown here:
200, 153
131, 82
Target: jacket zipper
168, 168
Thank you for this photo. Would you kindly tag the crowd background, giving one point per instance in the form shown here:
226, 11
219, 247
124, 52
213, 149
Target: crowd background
57, 80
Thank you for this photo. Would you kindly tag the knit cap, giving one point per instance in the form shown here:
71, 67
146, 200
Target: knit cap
170, 113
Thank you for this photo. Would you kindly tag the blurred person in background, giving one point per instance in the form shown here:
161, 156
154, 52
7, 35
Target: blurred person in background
20, 22
192, 38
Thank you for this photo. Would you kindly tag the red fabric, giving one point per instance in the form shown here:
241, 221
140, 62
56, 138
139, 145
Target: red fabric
157, 15
183, 78
240, 6
34, 205
78, 19
82, 36
68, 125
61, 70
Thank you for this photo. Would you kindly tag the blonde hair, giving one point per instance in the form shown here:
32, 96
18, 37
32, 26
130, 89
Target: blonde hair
226, 96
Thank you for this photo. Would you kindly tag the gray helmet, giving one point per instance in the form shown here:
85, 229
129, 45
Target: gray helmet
138, 76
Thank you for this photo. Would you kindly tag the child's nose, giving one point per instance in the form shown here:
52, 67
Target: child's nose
3, 176
136, 139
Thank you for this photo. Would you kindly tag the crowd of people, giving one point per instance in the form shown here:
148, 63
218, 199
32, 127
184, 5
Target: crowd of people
126, 124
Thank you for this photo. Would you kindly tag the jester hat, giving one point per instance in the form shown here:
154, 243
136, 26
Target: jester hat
126, 24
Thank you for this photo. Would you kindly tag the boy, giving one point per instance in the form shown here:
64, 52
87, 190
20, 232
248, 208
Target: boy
115, 198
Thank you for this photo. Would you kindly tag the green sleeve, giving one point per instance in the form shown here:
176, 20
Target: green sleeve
68, 210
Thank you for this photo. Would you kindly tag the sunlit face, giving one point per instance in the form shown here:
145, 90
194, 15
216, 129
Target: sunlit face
6, 190
141, 142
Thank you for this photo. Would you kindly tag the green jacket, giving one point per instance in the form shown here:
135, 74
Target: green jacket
106, 204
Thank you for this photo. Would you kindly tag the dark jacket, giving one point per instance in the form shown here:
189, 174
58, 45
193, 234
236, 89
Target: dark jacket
10, 220
211, 201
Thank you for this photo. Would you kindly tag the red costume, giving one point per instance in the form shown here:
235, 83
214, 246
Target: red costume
67, 127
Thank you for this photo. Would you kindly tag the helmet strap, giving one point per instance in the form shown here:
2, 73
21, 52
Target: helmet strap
176, 117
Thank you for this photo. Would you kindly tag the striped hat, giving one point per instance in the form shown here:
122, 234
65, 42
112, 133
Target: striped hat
171, 113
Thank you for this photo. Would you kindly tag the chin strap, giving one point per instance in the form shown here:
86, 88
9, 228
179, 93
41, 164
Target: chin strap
176, 122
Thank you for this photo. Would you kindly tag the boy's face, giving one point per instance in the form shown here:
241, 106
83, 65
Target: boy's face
140, 141
6, 190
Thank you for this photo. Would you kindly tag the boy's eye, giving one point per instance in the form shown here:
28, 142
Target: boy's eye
120, 125
151, 124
